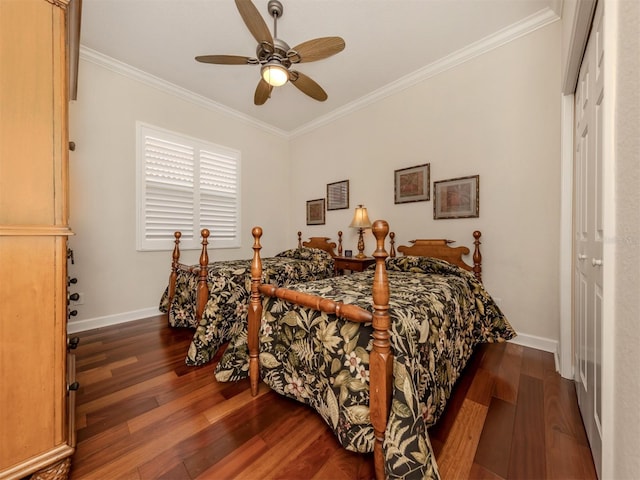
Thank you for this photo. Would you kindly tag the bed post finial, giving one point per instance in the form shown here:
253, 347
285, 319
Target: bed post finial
299, 238
255, 312
381, 358
339, 243
173, 276
202, 292
477, 256
392, 244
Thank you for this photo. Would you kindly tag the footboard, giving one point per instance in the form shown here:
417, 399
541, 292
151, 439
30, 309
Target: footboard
177, 266
381, 357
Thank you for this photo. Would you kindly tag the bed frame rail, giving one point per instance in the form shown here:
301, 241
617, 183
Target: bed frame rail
381, 357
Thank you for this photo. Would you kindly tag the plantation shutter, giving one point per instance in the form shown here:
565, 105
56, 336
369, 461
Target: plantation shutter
185, 184
169, 185
219, 194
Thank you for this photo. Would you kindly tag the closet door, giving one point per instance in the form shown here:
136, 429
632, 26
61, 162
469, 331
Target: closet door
588, 237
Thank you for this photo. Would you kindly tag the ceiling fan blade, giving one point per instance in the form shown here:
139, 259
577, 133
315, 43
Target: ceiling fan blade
316, 49
254, 21
263, 92
307, 86
227, 59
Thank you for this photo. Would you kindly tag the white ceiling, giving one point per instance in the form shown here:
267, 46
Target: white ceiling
390, 44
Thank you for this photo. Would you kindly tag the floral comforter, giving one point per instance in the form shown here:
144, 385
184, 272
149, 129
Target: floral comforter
225, 314
439, 313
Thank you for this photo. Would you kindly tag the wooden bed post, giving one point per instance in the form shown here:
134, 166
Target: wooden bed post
392, 244
381, 358
299, 239
173, 276
477, 256
202, 293
339, 243
255, 312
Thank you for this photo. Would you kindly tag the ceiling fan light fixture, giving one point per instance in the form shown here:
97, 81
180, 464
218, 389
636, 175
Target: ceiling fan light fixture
275, 74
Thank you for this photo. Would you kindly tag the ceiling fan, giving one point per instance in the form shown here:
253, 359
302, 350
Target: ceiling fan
275, 56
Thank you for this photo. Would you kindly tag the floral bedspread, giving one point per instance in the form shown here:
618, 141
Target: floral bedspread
439, 313
225, 314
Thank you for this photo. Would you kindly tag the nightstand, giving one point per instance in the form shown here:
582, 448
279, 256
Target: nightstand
351, 263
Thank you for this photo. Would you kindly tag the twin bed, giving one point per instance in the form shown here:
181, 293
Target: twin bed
375, 353
213, 297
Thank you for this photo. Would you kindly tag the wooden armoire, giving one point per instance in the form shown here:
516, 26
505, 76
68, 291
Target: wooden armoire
37, 436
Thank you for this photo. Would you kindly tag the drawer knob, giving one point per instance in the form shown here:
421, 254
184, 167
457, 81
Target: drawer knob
72, 343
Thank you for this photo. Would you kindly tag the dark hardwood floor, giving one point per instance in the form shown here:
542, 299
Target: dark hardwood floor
143, 414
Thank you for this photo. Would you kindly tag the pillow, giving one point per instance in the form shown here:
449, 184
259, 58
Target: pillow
305, 253
410, 263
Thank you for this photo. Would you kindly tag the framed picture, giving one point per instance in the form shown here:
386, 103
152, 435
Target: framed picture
338, 195
457, 198
315, 212
412, 184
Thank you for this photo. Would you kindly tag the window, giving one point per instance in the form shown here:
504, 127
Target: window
185, 184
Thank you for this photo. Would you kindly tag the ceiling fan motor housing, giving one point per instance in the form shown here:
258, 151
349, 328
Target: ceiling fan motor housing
278, 51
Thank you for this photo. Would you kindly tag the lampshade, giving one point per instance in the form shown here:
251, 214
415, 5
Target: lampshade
361, 218
275, 74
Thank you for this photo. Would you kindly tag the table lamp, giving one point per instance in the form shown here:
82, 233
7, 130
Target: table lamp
360, 221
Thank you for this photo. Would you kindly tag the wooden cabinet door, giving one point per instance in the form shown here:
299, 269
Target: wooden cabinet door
34, 229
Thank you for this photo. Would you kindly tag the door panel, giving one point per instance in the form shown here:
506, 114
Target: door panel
588, 237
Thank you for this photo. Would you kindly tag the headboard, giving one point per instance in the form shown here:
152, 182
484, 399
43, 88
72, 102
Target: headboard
322, 243
439, 248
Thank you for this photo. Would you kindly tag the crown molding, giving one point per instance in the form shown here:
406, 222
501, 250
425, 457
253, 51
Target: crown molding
141, 76
538, 20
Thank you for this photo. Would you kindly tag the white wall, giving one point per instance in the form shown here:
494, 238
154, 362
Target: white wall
625, 385
498, 116
118, 282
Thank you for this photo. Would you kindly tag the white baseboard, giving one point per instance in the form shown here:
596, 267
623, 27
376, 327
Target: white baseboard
92, 323
539, 343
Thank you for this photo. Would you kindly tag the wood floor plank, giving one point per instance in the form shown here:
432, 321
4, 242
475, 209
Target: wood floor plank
235, 462
166, 464
346, 465
490, 356
482, 387
227, 434
478, 472
116, 396
289, 447
153, 416
457, 455
508, 375
494, 446
528, 451
533, 362
115, 414
311, 458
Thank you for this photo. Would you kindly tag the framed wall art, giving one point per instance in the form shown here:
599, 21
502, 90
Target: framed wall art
457, 198
338, 195
315, 212
412, 184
